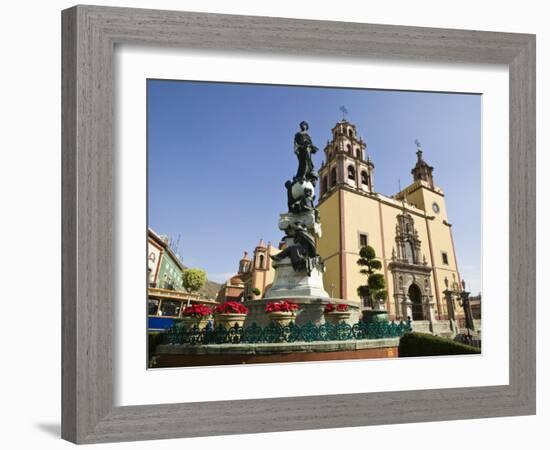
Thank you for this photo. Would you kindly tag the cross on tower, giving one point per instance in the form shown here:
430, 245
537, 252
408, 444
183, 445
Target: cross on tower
417, 142
344, 112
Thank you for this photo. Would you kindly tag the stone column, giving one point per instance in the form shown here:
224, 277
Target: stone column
406, 307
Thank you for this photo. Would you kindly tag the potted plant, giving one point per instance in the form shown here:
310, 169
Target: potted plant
229, 314
283, 312
337, 312
373, 293
196, 315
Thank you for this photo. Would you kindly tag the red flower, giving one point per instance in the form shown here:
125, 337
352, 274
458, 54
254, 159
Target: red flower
231, 308
340, 307
197, 310
282, 306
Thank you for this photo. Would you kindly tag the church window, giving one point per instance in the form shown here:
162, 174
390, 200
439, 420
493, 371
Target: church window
324, 185
261, 261
364, 177
333, 177
348, 147
409, 252
350, 132
363, 240
358, 153
351, 173
445, 258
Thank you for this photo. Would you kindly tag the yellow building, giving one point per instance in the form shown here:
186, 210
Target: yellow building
409, 231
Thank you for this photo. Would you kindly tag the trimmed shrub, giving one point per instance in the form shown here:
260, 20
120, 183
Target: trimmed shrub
423, 344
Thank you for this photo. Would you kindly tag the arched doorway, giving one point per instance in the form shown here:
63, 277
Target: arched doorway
416, 298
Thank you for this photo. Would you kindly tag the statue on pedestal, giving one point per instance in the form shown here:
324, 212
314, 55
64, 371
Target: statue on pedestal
304, 148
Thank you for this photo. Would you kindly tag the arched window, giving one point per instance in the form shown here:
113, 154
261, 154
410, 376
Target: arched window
324, 185
350, 132
358, 153
364, 177
261, 261
348, 148
333, 177
409, 252
351, 172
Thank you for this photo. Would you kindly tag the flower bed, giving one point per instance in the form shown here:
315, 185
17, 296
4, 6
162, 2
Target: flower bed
333, 307
196, 315
283, 312
337, 312
231, 308
282, 306
230, 314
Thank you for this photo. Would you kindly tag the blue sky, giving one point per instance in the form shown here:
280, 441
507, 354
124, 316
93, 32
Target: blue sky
219, 154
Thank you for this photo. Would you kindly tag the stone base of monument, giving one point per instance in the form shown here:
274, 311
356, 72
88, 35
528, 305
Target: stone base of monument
289, 283
311, 310
220, 354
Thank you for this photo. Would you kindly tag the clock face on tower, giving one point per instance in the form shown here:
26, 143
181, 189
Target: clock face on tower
435, 207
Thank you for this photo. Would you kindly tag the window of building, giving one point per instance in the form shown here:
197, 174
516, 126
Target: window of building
333, 177
363, 240
358, 153
152, 306
261, 261
351, 173
324, 185
364, 177
445, 258
348, 147
350, 132
409, 252
170, 308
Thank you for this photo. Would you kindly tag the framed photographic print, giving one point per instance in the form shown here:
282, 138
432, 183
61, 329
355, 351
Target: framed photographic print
340, 216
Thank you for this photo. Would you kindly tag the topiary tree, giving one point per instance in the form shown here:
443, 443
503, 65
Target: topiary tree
375, 289
256, 291
193, 280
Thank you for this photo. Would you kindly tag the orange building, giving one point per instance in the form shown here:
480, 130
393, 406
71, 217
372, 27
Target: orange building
255, 275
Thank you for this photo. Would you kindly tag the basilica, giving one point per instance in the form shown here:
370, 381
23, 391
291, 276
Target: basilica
409, 231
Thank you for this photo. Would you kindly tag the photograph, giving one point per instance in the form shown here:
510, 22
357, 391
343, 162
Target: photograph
311, 223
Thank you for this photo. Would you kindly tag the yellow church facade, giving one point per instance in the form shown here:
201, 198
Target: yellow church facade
409, 231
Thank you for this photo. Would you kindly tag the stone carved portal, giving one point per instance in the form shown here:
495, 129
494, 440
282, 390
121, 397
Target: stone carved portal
411, 278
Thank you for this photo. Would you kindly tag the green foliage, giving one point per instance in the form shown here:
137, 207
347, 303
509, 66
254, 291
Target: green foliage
376, 284
423, 344
193, 279
256, 291
367, 253
363, 291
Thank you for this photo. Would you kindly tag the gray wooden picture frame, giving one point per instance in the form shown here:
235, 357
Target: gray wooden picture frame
90, 34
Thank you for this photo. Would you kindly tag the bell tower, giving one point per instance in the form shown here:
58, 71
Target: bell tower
422, 170
346, 162
260, 256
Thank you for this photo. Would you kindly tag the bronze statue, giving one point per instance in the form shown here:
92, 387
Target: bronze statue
302, 252
304, 148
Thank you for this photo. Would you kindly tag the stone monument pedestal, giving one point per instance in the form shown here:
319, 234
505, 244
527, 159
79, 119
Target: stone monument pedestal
289, 283
311, 310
